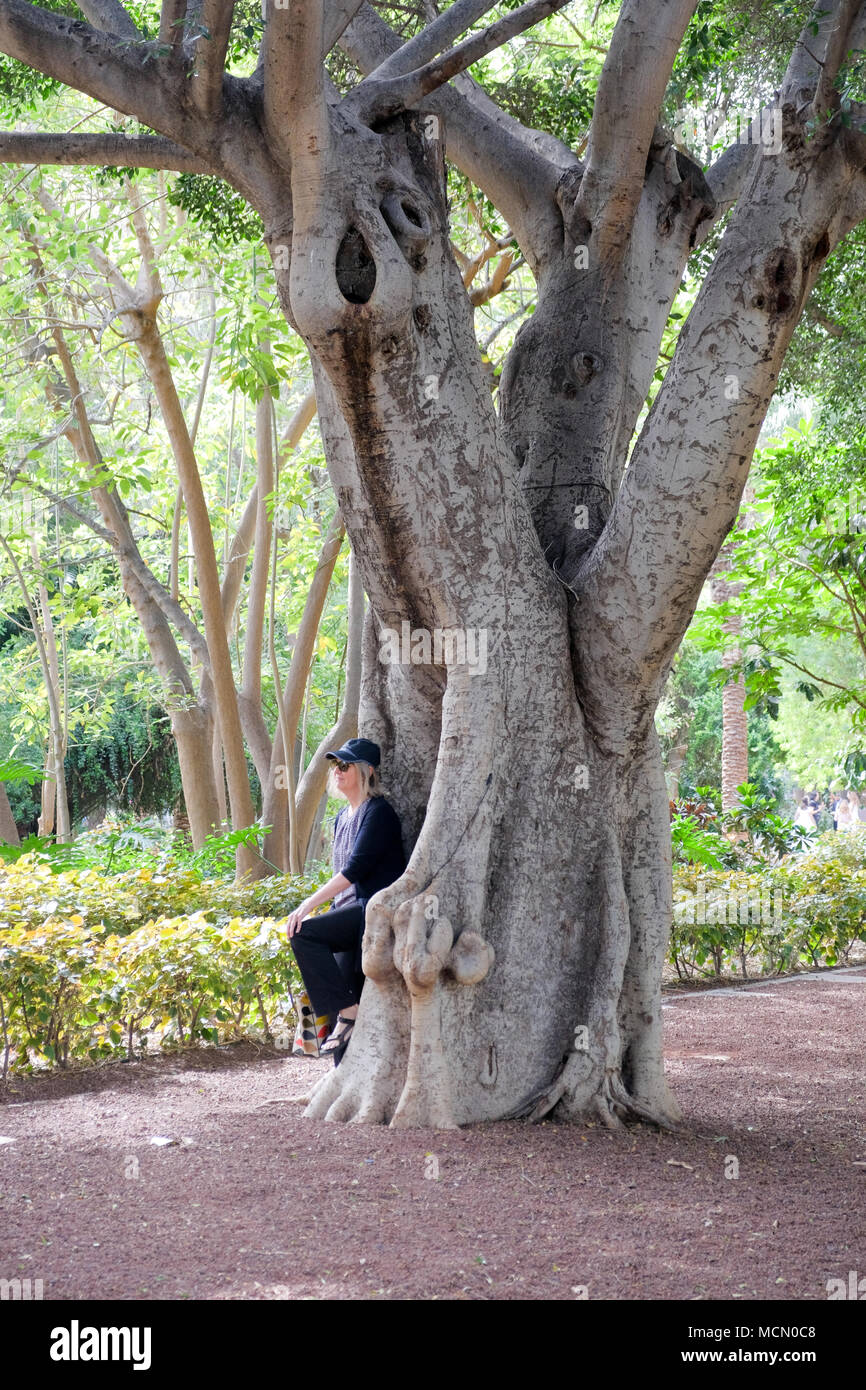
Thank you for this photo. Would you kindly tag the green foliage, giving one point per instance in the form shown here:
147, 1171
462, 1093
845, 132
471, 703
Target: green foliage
217, 208
129, 763
94, 967
804, 909
16, 770
70, 993
557, 97
690, 716
692, 844
750, 834
800, 556
42, 881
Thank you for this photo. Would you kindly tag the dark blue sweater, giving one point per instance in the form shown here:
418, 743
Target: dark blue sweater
377, 854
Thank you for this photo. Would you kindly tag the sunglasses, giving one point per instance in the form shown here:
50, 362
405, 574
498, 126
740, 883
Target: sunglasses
341, 767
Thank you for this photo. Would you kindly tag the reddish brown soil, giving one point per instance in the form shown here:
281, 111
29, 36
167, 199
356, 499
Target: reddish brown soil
261, 1204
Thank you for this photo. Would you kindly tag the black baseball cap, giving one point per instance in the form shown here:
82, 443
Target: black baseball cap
358, 750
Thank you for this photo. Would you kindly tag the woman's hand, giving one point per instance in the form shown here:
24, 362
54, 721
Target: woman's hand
296, 918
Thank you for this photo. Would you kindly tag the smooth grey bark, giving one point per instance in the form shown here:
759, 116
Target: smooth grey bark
516, 966
192, 719
312, 787
8, 829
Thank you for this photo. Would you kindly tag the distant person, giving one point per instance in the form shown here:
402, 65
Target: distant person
843, 814
856, 809
804, 816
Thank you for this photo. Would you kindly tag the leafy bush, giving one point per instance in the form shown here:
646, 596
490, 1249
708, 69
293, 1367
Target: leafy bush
33, 891
693, 844
748, 836
70, 993
92, 967
805, 909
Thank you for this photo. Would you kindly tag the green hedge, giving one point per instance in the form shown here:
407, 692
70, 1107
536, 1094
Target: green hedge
806, 909
94, 968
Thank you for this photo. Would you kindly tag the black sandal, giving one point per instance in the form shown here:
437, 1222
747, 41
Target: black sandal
337, 1043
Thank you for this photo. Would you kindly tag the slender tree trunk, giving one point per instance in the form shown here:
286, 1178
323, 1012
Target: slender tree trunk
52, 690
219, 775
735, 720
64, 830
279, 787
8, 829
191, 724
225, 696
312, 789
250, 696
48, 798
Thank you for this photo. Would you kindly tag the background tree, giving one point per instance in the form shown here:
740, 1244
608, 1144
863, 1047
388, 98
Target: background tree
126, 480
798, 594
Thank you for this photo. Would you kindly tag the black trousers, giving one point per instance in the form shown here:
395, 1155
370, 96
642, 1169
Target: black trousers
328, 951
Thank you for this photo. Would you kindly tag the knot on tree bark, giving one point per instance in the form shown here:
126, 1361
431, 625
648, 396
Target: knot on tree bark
424, 948
408, 223
566, 195
692, 195
776, 292
566, 380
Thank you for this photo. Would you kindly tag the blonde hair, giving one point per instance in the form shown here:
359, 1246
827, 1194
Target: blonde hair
368, 777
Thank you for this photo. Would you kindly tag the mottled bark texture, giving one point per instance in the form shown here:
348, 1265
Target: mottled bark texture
735, 720
516, 966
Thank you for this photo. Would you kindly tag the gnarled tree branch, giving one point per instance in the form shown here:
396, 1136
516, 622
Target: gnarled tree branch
338, 16
115, 151
110, 16
627, 105
294, 93
210, 60
818, 54
114, 71
377, 98
438, 35
517, 168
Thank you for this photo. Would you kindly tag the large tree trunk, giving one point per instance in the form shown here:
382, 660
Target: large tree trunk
541, 873
466, 745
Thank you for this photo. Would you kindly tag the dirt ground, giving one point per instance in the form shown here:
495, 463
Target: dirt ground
762, 1196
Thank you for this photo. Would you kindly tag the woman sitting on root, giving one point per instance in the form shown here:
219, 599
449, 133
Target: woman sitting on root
368, 855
